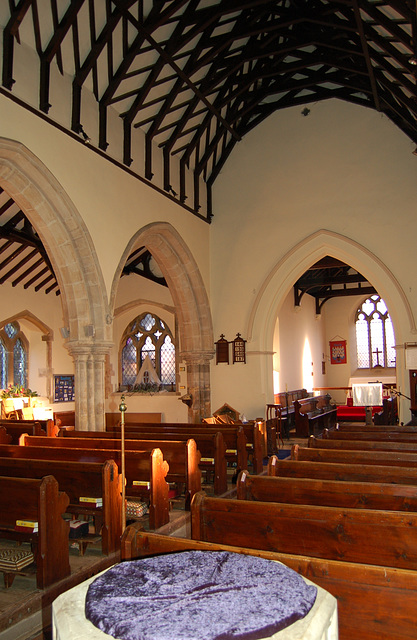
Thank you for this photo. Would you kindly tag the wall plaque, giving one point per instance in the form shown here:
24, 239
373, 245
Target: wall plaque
239, 349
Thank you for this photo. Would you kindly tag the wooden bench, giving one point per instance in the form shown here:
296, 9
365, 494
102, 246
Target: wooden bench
394, 436
15, 428
37, 500
373, 428
254, 432
351, 456
276, 427
147, 468
342, 471
329, 493
362, 445
182, 456
80, 479
373, 602
113, 419
313, 415
5, 438
366, 537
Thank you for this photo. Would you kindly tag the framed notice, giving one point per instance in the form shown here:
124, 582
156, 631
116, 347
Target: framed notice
338, 351
64, 388
222, 350
239, 349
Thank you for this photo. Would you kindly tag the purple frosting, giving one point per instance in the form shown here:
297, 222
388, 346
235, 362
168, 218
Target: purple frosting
198, 595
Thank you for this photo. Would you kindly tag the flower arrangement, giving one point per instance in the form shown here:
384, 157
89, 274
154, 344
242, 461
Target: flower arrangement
17, 391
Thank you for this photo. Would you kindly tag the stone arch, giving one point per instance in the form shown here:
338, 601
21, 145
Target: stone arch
69, 246
191, 306
298, 259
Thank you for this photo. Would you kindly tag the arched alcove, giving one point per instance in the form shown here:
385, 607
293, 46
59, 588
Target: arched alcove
297, 260
191, 305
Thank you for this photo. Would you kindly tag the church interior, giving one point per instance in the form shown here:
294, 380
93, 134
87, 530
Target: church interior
206, 217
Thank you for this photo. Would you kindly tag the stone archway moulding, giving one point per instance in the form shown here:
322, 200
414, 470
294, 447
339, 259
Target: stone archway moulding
295, 262
191, 303
68, 244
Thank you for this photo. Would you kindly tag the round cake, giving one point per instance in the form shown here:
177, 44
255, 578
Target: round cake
198, 595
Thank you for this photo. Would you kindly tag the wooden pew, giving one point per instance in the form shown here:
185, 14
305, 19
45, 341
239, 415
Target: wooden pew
313, 415
374, 428
80, 479
15, 428
182, 456
41, 501
329, 534
374, 603
145, 467
341, 471
383, 538
351, 456
5, 438
113, 419
329, 493
209, 443
394, 436
363, 445
254, 432
276, 426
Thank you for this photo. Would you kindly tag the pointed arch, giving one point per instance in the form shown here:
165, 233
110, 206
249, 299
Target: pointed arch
185, 283
299, 258
64, 235
191, 305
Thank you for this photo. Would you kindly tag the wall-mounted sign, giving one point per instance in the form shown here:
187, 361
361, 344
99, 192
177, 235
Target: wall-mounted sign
239, 349
64, 388
222, 350
338, 351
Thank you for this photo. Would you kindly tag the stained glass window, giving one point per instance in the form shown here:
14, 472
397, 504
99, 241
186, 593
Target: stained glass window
148, 336
13, 356
375, 338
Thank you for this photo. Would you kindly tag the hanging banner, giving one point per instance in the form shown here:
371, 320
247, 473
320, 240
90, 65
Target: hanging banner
337, 351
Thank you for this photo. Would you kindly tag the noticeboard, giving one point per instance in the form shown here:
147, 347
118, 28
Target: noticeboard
63, 388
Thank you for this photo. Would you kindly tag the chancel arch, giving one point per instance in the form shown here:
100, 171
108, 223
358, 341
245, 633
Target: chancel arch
70, 249
295, 262
191, 306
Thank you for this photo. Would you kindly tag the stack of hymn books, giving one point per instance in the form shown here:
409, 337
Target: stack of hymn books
27, 526
93, 502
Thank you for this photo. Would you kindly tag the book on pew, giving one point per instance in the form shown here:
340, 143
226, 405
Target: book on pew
208, 460
94, 502
78, 528
27, 526
141, 483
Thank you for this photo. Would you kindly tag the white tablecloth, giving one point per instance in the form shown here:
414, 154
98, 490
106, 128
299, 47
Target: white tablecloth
69, 621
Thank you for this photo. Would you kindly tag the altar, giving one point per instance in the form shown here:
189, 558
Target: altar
185, 596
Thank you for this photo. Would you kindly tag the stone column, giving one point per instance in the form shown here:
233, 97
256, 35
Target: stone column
198, 382
47, 338
89, 373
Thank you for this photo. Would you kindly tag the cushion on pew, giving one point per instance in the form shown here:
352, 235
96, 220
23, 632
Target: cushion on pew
136, 508
13, 559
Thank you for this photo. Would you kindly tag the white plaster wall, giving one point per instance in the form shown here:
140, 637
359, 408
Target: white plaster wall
48, 309
343, 169
113, 204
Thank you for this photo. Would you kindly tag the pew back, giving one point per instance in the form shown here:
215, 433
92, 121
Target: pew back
80, 480
40, 501
326, 532
350, 456
330, 493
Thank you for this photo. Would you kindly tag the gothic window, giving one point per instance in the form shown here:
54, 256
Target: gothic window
148, 336
13, 356
375, 338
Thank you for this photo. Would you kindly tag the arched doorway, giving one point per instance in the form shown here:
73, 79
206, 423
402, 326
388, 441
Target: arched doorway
280, 280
